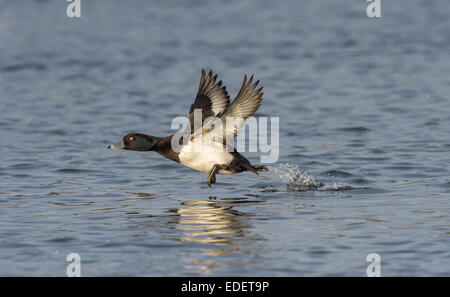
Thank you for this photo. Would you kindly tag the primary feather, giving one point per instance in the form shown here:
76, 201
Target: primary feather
212, 99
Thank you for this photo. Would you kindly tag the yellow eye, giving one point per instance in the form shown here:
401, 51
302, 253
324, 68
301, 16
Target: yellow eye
131, 138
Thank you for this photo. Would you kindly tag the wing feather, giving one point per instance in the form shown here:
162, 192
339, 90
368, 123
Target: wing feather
244, 106
211, 97
234, 115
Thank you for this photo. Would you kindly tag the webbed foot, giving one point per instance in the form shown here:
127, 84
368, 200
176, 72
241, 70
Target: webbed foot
212, 174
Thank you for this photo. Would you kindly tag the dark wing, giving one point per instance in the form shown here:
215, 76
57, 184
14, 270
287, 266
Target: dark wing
212, 98
233, 117
245, 105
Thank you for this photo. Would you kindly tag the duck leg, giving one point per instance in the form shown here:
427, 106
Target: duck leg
260, 168
212, 173
249, 167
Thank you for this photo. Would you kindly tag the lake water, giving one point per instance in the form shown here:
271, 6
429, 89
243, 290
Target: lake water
363, 107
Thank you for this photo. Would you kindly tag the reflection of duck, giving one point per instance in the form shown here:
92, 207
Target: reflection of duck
221, 231
209, 222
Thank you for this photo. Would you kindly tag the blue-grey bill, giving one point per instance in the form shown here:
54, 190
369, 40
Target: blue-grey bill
119, 145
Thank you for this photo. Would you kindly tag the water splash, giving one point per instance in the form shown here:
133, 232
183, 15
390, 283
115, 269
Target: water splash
295, 179
298, 180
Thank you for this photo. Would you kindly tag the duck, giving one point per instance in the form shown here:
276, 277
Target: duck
213, 117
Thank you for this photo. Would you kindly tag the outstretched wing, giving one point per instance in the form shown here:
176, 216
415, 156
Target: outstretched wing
212, 98
226, 125
244, 106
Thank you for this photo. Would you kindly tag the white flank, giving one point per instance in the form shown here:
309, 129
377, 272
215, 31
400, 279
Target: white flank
204, 159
